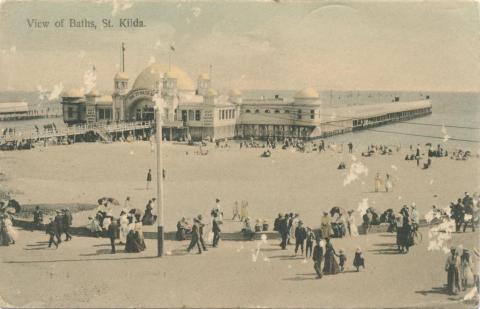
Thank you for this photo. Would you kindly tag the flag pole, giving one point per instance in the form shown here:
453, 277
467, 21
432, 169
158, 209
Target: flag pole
160, 204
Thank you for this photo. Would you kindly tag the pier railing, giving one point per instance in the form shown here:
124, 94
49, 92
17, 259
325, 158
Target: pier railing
52, 132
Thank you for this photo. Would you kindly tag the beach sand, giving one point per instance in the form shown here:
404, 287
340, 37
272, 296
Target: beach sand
306, 183
82, 273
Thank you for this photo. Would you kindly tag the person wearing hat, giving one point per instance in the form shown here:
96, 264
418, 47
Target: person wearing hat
216, 229
317, 258
112, 233
283, 229
325, 225
52, 232
67, 221
452, 267
201, 225
358, 260
37, 218
458, 214
342, 258
195, 237
59, 222
300, 236
466, 270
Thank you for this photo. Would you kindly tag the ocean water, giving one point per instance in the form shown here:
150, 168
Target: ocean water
458, 112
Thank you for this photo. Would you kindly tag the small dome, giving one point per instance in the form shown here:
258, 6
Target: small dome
169, 75
204, 76
211, 92
307, 93
73, 93
121, 75
235, 93
93, 93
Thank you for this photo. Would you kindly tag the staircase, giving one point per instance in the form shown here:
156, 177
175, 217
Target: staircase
103, 134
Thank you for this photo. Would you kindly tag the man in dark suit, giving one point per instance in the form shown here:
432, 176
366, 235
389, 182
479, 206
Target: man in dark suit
195, 237
215, 228
67, 221
52, 232
201, 225
59, 225
283, 229
317, 258
300, 236
112, 233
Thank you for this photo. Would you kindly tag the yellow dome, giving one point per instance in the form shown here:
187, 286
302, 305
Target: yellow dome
204, 76
211, 92
121, 75
73, 93
235, 93
152, 74
307, 93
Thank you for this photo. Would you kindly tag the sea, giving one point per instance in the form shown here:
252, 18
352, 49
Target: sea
454, 122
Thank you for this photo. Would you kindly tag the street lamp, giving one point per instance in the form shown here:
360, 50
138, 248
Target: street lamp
160, 205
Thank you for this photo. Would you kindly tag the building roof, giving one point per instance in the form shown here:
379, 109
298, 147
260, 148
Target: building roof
93, 93
204, 76
73, 93
121, 75
211, 92
307, 93
13, 107
154, 73
104, 99
235, 93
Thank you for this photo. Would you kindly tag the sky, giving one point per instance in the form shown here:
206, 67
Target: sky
339, 45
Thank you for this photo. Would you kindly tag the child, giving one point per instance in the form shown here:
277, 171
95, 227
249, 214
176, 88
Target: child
310, 239
358, 260
342, 259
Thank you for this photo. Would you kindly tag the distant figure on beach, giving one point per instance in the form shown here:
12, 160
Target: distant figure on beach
283, 229
452, 267
317, 258
325, 225
350, 147
300, 236
331, 265
149, 178
309, 243
112, 233
388, 183
37, 218
244, 211
378, 182
59, 222
351, 224
127, 204
236, 212
51, 232
67, 221
358, 260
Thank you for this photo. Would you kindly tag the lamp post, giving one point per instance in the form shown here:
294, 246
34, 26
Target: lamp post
160, 205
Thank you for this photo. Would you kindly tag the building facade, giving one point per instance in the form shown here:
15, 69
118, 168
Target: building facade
194, 110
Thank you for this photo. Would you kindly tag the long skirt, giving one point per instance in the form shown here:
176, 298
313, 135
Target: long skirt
5, 239
453, 280
331, 266
325, 230
123, 233
134, 243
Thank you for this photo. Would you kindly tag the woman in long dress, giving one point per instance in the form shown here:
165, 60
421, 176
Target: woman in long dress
4, 236
388, 183
12, 233
378, 182
331, 265
325, 225
466, 270
123, 222
352, 225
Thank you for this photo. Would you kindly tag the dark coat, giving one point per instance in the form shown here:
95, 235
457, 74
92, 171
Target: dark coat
300, 233
112, 231
52, 228
317, 253
67, 218
276, 224
59, 222
283, 227
215, 227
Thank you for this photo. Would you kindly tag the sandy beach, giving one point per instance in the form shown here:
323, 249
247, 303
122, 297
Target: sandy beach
83, 273
288, 181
